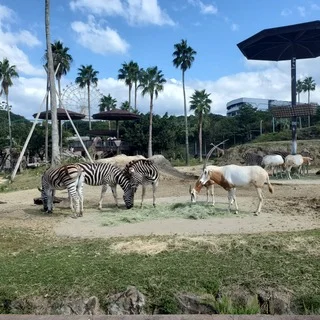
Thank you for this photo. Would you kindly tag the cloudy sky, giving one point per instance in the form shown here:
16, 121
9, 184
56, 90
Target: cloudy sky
107, 33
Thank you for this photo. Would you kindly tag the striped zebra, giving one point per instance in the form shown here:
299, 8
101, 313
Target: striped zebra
142, 171
68, 177
97, 174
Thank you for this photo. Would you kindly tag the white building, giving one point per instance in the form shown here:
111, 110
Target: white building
233, 106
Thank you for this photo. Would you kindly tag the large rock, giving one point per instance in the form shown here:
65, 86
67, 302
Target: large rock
130, 301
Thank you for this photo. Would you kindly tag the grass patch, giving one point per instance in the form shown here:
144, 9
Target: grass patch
148, 212
33, 265
28, 179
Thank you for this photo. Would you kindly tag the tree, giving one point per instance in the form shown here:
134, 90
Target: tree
7, 73
125, 106
55, 157
200, 104
87, 76
183, 59
299, 90
152, 81
130, 74
63, 59
309, 85
107, 103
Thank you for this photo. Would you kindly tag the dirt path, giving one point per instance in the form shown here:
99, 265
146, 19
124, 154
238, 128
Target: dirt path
295, 205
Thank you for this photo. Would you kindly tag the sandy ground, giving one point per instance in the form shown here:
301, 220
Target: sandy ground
295, 205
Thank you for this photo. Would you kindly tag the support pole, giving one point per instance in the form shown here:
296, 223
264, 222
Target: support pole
27, 140
293, 105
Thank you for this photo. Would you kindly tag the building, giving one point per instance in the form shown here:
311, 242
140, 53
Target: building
234, 106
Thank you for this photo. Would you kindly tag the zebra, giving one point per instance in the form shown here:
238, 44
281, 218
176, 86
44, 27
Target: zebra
142, 171
97, 174
65, 177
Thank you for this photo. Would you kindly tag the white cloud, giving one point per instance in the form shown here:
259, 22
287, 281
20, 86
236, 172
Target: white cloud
10, 41
99, 39
204, 8
286, 12
234, 27
134, 11
302, 11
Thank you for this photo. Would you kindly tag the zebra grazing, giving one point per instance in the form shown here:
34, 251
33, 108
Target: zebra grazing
142, 171
65, 177
97, 174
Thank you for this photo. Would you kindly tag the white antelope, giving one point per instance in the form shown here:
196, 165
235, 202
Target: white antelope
231, 176
293, 161
197, 188
274, 162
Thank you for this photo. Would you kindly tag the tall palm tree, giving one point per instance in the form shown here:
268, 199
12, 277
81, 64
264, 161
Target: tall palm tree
183, 59
200, 104
309, 85
107, 103
55, 158
87, 76
299, 90
152, 81
130, 74
63, 59
7, 73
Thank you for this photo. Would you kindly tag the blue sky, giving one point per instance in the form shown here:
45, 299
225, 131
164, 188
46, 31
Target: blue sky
106, 33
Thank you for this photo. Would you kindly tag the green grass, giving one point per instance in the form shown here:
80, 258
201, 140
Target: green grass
29, 179
34, 265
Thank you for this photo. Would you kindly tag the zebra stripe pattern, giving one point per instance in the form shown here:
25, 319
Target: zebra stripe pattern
144, 172
68, 177
97, 174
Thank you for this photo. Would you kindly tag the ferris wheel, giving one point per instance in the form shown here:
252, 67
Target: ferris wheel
76, 99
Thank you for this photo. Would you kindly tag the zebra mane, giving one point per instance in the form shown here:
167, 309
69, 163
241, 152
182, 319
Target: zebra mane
126, 170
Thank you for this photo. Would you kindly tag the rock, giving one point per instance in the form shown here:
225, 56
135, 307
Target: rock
274, 302
192, 304
130, 301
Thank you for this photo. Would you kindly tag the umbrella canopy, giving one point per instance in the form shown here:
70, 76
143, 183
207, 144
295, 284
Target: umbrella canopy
61, 115
298, 41
283, 43
116, 114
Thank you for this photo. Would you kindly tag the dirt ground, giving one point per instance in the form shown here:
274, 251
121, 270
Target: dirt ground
295, 205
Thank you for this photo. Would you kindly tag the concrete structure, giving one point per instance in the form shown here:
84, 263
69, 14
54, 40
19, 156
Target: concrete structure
234, 106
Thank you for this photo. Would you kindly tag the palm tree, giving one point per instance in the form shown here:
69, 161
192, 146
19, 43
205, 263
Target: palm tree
125, 106
200, 104
130, 74
87, 76
183, 59
309, 85
299, 89
152, 81
107, 103
55, 158
63, 59
7, 73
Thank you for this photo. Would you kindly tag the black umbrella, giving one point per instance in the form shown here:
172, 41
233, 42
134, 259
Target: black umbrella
117, 115
61, 115
298, 41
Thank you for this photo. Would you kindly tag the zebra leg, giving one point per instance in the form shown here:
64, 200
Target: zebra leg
80, 192
103, 192
114, 193
143, 194
154, 188
50, 195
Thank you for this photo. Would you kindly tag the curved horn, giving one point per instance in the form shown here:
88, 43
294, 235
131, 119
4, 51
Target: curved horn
210, 152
